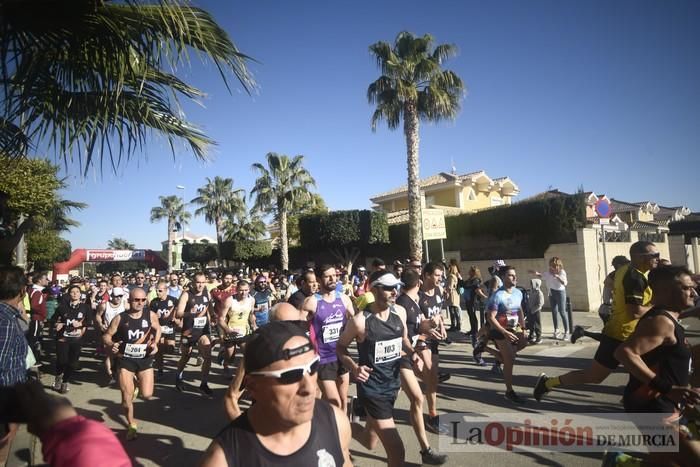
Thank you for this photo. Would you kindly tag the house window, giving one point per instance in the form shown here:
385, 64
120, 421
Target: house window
472, 195
429, 200
496, 201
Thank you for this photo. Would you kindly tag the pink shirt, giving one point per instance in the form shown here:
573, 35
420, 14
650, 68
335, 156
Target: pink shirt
79, 442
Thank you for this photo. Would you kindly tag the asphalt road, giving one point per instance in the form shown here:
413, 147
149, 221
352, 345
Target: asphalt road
175, 428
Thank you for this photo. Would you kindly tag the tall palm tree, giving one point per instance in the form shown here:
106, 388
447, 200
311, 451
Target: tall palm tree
94, 78
120, 244
280, 186
413, 87
173, 209
218, 200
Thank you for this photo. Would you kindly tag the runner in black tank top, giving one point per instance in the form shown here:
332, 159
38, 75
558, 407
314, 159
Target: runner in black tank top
671, 363
165, 306
133, 336
381, 339
193, 308
431, 303
658, 359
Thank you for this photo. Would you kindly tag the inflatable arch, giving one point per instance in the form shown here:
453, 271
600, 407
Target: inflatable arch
60, 270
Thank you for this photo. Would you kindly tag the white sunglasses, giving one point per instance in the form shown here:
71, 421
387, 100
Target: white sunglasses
291, 375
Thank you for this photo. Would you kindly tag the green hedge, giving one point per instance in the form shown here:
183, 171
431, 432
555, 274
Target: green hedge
246, 251
520, 230
343, 228
200, 253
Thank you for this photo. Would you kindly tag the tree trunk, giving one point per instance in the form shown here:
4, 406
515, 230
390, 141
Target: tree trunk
8, 244
171, 238
219, 232
284, 241
415, 218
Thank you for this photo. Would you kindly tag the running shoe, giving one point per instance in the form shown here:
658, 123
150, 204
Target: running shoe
480, 361
57, 383
613, 459
556, 335
538, 340
64, 388
444, 376
540, 387
513, 397
131, 433
566, 337
205, 389
577, 334
430, 457
436, 427
136, 394
496, 369
179, 384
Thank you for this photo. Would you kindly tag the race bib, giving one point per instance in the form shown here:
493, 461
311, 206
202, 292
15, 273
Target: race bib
239, 331
387, 351
512, 321
135, 350
167, 330
331, 332
74, 333
200, 322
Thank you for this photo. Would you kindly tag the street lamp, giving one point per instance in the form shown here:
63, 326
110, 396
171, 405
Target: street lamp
182, 223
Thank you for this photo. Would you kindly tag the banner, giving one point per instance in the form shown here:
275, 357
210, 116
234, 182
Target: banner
115, 255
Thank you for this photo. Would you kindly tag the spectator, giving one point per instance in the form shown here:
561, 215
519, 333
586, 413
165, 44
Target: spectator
536, 303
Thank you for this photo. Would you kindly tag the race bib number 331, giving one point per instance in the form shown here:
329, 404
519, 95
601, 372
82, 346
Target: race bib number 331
331, 332
387, 351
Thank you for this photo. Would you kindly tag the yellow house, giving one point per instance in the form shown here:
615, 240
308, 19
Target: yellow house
452, 193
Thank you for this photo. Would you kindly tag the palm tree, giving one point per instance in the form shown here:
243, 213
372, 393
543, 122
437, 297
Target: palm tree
413, 87
173, 209
283, 184
244, 227
120, 244
94, 78
218, 200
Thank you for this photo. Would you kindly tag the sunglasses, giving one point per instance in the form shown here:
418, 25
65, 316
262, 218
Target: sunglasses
656, 255
138, 299
292, 375
389, 288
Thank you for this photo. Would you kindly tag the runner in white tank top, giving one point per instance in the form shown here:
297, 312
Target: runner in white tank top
106, 312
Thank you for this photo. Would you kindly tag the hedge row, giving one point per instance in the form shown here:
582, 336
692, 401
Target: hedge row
343, 228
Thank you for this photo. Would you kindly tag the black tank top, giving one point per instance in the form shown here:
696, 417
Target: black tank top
381, 351
430, 305
165, 309
134, 333
670, 362
197, 312
243, 448
73, 319
412, 315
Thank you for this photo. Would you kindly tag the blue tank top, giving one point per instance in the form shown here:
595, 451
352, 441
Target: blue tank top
328, 322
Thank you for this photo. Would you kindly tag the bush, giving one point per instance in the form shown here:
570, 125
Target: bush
343, 228
246, 251
522, 230
200, 253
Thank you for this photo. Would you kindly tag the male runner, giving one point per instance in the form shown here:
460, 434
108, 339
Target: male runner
164, 306
658, 357
174, 287
133, 336
106, 312
504, 313
328, 311
193, 309
287, 425
37, 300
263, 301
141, 282
631, 300
235, 322
307, 287
416, 329
430, 301
381, 337
223, 291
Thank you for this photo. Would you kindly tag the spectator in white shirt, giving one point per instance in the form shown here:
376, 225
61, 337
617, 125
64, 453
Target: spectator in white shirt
556, 282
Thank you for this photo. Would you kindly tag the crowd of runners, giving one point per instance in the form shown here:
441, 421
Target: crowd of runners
293, 344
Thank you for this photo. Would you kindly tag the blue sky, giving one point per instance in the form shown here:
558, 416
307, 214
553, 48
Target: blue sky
561, 94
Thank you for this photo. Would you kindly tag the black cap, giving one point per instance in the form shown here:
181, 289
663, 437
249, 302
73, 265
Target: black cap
266, 345
620, 260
